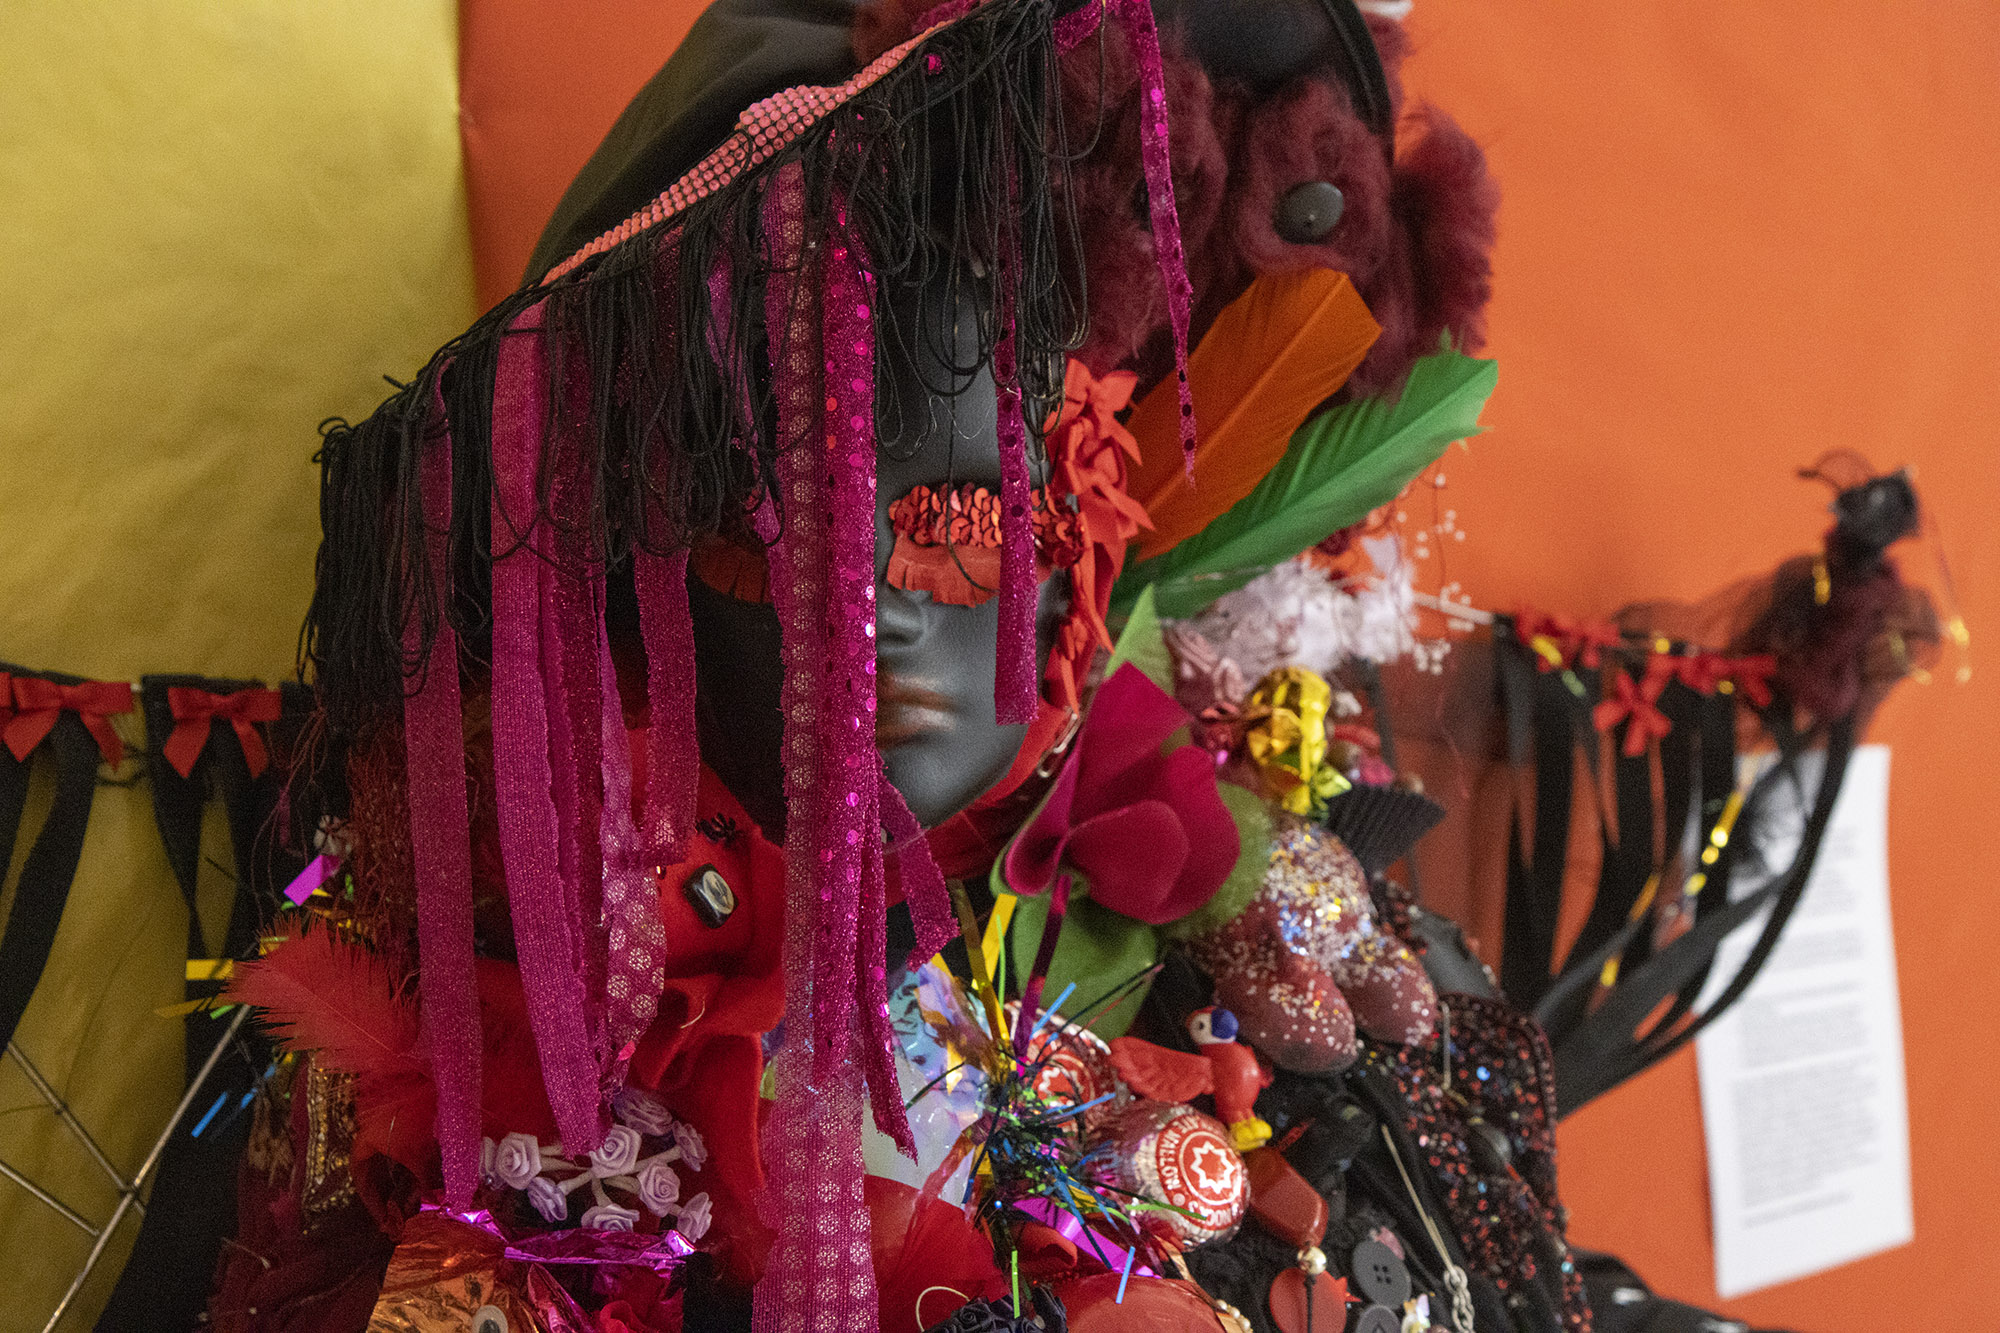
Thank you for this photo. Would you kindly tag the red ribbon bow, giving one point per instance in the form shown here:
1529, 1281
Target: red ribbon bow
194, 709
1633, 703
38, 702
1752, 675
1700, 672
1582, 641
1588, 638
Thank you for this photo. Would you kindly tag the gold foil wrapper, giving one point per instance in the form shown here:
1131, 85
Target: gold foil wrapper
446, 1276
1287, 741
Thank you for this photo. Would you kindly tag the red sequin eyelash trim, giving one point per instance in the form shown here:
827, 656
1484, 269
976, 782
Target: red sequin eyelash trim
948, 541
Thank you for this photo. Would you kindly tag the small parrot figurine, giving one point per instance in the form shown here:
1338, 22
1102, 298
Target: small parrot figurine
1225, 1069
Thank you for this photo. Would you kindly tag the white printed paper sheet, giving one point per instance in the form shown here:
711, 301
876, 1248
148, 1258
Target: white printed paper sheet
1802, 1086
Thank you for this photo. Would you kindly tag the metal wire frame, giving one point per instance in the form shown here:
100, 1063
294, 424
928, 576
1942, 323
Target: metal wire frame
128, 1190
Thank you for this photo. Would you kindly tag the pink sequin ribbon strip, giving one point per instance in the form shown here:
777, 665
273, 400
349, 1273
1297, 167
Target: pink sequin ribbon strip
819, 1277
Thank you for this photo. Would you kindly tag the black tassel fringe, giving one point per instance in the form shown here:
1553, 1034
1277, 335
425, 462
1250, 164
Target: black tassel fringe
948, 166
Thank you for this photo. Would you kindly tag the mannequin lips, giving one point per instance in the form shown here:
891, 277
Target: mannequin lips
905, 711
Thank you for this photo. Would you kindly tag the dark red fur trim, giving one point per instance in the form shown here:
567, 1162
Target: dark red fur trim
1416, 240
1446, 201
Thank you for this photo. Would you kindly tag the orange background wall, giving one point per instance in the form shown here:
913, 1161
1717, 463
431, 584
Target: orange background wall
1733, 237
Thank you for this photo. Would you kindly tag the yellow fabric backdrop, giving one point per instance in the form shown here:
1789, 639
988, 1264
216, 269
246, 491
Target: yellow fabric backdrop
219, 223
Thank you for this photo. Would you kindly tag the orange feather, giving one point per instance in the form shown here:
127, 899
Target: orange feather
1273, 355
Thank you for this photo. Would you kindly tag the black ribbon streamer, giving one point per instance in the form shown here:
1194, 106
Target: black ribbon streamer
193, 1203
42, 892
1604, 1036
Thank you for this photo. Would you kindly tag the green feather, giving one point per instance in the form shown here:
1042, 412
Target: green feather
1338, 466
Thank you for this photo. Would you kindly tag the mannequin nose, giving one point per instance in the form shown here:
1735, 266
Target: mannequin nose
899, 616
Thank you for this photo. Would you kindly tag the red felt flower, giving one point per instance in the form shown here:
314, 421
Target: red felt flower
1147, 829
1090, 454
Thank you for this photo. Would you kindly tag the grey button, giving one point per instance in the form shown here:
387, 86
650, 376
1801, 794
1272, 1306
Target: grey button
1377, 1319
1309, 212
1381, 1276
489, 1319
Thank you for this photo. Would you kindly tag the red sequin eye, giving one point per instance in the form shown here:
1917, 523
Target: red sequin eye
948, 541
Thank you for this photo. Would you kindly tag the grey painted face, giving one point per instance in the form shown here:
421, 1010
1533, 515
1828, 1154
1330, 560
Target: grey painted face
935, 662
935, 720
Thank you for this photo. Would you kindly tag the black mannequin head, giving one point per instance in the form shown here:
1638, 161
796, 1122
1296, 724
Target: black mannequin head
935, 720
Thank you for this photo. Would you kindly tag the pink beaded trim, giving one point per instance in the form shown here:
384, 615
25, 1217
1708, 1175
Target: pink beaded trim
763, 130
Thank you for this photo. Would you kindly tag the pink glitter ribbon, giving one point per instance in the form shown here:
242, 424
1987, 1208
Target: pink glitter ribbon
1136, 18
819, 1276
572, 625
673, 756
441, 845
548, 929
1015, 680
851, 953
847, 710
923, 883
637, 948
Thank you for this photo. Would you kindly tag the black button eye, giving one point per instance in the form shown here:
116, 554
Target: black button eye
1309, 212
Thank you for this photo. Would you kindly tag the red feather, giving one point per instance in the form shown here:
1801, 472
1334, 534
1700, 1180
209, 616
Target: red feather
1161, 1074
319, 993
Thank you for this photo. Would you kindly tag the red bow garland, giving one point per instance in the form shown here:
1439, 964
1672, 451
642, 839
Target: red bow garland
1582, 642
1701, 672
195, 709
1752, 675
38, 702
1706, 672
1634, 704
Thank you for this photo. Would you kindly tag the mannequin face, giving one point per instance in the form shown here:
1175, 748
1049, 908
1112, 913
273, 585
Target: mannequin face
935, 721
934, 718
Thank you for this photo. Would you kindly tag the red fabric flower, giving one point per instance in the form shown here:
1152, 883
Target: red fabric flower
1146, 829
1090, 455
